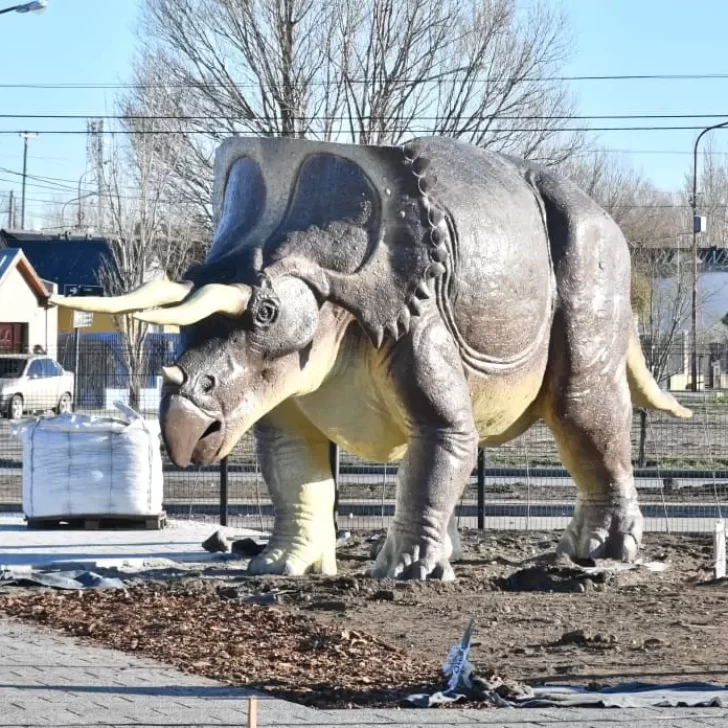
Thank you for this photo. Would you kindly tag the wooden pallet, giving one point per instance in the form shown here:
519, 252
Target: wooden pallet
99, 523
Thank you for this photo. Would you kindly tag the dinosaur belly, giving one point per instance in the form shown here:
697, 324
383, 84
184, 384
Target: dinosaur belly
502, 406
350, 411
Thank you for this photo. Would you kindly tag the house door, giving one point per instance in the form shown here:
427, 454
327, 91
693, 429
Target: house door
13, 338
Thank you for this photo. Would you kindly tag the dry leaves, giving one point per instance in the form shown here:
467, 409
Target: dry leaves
287, 654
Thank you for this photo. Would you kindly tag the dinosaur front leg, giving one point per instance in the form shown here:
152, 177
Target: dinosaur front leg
433, 399
294, 460
432, 477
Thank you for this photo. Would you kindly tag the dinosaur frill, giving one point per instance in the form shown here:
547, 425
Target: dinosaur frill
360, 224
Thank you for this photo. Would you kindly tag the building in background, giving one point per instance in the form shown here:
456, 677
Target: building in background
27, 321
75, 264
72, 263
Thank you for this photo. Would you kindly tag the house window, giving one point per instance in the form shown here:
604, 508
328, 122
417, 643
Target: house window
13, 338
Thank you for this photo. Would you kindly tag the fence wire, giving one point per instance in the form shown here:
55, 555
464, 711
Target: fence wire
681, 466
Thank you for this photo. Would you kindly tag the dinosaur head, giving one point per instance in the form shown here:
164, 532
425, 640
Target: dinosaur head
236, 366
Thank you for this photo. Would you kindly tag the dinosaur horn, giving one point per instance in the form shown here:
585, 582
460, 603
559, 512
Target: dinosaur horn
173, 375
205, 301
153, 293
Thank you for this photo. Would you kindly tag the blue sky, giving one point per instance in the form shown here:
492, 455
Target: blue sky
631, 37
72, 41
92, 42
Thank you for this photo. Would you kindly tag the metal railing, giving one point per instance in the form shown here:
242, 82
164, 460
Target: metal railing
681, 466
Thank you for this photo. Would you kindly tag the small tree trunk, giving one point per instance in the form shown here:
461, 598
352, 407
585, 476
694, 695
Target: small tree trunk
134, 394
135, 363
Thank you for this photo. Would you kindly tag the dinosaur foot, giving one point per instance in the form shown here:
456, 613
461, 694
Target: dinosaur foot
452, 530
296, 557
603, 530
408, 555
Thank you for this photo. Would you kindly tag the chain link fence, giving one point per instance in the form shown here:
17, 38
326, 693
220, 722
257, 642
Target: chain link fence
681, 466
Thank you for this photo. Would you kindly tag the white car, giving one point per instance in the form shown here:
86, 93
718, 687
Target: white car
33, 383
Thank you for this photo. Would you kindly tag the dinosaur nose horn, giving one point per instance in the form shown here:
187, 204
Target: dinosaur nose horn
173, 375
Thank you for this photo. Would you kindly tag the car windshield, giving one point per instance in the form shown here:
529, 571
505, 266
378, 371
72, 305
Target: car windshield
11, 368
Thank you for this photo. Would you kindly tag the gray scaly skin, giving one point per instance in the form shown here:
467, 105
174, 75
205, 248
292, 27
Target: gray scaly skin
409, 304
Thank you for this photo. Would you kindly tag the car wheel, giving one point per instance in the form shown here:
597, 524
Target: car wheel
64, 404
15, 408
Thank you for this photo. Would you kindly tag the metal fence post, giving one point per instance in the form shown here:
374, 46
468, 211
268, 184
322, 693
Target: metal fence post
224, 492
334, 463
481, 489
76, 377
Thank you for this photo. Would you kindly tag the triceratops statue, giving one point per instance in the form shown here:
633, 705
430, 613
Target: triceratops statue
407, 303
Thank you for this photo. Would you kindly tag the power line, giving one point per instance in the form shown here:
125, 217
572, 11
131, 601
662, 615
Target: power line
587, 152
435, 80
366, 117
707, 153
62, 183
57, 188
62, 187
403, 130
131, 198
55, 184
41, 157
656, 206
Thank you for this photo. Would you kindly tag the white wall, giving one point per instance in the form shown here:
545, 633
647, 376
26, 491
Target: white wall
712, 301
149, 399
19, 304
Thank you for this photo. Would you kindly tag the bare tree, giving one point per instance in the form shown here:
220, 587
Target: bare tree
150, 236
647, 216
664, 315
188, 158
7, 215
375, 72
61, 214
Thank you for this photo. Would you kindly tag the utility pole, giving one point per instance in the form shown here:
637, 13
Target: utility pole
100, 171
26, 137
11, 210
95, 128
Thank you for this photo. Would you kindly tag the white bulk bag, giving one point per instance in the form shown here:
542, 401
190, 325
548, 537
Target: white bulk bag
78, 465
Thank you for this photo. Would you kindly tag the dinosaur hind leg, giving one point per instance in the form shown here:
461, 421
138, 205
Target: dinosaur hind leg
591, 422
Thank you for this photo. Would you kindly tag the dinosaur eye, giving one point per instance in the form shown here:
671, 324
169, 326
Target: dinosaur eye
266, 313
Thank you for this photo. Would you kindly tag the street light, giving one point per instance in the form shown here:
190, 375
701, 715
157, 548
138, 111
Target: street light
79, 215
33, 7
697, 228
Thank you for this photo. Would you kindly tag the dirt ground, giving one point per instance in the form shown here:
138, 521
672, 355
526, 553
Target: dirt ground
349, 641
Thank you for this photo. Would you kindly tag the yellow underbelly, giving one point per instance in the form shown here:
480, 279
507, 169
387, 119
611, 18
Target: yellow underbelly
351, 412
502, 406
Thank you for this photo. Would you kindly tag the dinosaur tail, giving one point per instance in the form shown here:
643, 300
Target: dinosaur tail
644, 389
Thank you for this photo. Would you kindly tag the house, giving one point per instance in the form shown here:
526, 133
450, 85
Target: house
73, 263
26, 319
668, 334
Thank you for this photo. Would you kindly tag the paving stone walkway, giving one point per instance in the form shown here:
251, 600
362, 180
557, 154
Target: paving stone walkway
50, 680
